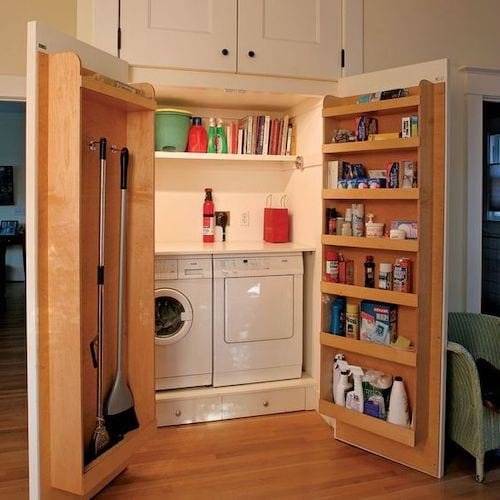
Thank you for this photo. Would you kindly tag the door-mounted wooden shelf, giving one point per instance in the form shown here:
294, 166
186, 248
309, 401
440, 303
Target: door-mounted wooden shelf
398, 433
371, 146
372, 243
371, 194
361, 292
375, 108
371, 349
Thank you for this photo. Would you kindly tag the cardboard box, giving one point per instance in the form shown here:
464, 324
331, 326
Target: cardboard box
378, 322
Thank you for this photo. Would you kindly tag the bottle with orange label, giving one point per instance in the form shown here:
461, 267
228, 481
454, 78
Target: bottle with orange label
208, 218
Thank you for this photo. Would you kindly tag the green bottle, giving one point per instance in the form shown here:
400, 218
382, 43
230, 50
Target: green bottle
212, 136
221, 137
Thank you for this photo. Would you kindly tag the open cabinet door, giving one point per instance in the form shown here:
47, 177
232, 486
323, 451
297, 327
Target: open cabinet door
421, 306
73, 99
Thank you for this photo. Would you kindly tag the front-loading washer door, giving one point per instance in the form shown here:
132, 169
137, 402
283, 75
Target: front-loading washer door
258, 308
173, 316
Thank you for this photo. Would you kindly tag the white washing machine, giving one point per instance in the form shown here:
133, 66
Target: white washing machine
258, 326
183, 322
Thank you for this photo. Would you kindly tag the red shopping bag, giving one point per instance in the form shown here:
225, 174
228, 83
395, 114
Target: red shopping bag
276, 222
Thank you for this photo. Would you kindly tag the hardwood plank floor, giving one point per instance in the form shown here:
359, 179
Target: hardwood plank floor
13, 410
279, 456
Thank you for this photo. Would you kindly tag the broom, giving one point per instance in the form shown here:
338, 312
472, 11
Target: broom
120, 412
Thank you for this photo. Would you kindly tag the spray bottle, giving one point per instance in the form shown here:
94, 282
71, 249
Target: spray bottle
343, 387
339, 365
354, 399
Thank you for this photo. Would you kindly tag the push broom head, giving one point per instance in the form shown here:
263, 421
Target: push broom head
120, 412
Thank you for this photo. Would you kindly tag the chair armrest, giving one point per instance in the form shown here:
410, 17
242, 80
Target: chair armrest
465, 413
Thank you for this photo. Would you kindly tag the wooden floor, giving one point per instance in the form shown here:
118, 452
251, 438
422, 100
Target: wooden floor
13, 413
281, 456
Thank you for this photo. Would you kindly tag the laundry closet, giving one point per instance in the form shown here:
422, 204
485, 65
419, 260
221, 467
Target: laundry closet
209, 359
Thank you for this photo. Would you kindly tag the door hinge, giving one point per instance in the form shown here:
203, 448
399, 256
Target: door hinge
342, 58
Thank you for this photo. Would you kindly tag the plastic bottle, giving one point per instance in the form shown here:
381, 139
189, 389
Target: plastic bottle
352, 321
221, 139
212, 136
197, 138
399, 413
331, 221
343, 386
337, 318
208, 218
355, 399
369, 272
339, 365
332, 266
358, 217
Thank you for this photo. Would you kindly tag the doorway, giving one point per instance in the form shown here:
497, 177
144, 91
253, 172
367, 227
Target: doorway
13, 388
490, 279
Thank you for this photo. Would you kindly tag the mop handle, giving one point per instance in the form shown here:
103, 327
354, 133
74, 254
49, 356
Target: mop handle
124, 159
100, 275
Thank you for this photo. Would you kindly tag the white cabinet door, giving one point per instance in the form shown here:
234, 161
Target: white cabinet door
187, 34
297, 38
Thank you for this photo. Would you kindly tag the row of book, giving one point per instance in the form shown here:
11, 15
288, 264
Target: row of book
260, 135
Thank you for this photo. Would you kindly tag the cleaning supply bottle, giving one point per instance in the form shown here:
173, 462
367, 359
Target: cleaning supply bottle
352, 321
339, 364
355, 399
343, 386
331, 266
212, 136
197, 137
399, 413
369, 272
337, 318
208, 217
221, 139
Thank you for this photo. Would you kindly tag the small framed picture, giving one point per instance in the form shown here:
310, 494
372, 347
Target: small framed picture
6, 185
8, 227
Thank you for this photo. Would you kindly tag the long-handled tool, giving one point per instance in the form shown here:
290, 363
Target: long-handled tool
120, 412
100, 438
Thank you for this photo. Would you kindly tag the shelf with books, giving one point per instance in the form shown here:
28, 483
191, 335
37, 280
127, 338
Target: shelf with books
406, 357
361, 292
372, 243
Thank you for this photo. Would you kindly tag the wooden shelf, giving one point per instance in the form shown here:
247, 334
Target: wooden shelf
125, 98
398, 433
374, 243
371, 349
371, 146
371, 194
361, 292
390, 106
165, 155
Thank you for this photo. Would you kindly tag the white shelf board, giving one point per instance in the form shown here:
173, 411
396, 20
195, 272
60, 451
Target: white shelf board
164, 155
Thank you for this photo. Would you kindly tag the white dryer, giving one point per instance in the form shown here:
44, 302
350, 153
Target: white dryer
183, 322
258, 314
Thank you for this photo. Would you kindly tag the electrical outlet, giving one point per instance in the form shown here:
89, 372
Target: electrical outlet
245, 219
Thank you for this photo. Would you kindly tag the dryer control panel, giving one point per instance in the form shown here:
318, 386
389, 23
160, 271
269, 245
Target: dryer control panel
274, 265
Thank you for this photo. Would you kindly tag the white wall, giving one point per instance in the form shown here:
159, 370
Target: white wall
12, 152
398, 33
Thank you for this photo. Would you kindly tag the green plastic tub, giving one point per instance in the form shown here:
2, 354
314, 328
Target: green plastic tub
172, 127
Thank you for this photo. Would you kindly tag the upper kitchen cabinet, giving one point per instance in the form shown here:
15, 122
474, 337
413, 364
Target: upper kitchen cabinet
294, 38
192, 34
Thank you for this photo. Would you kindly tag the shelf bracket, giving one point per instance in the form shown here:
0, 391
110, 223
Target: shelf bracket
299, 163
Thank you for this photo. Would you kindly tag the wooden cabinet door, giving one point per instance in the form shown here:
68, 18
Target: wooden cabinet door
297, 38
188, 34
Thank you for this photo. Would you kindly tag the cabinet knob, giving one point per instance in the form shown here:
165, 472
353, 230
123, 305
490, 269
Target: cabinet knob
225, 52
178, 413
251, 53
265, 403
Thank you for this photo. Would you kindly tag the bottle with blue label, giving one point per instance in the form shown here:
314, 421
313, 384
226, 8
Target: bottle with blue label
337, 317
